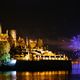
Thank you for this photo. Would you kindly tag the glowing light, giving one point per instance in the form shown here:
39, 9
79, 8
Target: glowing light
12, 62
75, 43
27, 57
13, 72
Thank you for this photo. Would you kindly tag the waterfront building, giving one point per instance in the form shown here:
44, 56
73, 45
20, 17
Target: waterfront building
32, 43
0, 29
3, 36
12, 37
40, 43
21, 42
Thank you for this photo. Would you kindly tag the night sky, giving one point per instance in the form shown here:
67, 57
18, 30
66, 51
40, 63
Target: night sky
41, 18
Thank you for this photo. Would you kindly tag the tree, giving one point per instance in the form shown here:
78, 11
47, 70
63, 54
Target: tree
4, 51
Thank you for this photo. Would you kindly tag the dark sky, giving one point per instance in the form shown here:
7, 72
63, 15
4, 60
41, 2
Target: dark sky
41, 18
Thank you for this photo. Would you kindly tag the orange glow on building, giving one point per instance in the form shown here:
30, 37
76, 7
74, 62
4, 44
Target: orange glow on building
3, 37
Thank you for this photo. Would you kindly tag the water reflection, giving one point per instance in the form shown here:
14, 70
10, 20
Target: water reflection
47, 75
9, 75
76, 68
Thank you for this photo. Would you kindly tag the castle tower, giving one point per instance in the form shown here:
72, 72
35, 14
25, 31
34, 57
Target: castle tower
13, 36
6, 31
0, 29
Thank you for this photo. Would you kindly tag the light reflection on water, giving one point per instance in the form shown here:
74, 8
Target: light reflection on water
45, 75
48, 75
9, 75
76, 68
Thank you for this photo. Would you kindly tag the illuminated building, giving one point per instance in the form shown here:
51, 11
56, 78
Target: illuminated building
0, 29
32, 43
13, 34
27, 44
6, 31
3, 37
40, 43
12, 37
21, 42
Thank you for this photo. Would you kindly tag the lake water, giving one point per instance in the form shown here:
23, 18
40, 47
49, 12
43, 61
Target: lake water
46, 75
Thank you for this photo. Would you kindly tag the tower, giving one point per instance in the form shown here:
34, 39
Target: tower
12, 35
6, 31
0, 29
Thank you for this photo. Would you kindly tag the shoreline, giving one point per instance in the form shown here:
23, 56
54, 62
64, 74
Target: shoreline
42, 65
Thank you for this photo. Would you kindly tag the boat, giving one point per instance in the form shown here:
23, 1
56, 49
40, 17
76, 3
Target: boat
38, 60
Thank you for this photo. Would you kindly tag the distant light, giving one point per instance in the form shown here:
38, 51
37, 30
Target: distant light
13, 72
12, 62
